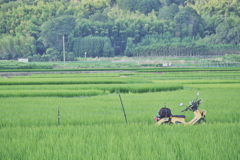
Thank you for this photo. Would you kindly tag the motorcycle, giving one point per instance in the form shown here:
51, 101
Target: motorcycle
199, 115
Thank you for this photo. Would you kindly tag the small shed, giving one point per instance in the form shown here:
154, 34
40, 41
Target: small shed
165, 64
22, 59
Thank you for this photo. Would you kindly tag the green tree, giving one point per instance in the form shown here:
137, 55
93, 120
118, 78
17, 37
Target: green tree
16, 47
228, 32
129, 48
93, 46
54, 29
108, 51
188, 19
166, 2
146, 6
131, 5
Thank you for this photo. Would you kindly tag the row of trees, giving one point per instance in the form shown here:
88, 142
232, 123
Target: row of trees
18, 46
181, 49
93, 47
34, 28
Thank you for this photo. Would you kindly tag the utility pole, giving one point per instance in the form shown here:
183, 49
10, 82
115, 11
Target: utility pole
63, 51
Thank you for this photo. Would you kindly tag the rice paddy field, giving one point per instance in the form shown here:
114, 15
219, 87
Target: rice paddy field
80, 116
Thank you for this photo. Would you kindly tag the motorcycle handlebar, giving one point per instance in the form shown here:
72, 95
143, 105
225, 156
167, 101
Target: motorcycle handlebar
191, 105
184, 109
197, 103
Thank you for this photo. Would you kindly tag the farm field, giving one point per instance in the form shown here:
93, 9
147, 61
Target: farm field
92, 124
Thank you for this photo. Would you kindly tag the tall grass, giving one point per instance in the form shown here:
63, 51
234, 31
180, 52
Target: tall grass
49, 93
46, 81
191, 75
93, 127
134, 141
82, 90
140, 108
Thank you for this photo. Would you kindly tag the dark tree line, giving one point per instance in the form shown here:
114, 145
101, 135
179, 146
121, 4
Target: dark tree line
184, 49
34, 28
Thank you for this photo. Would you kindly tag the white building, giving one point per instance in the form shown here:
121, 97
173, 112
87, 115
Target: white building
22, 59
165, 64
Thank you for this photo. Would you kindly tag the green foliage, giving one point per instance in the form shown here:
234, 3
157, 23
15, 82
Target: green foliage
129, 47
189, 19
16, 47
215, 7
93, 47
228, 32
168, 12
43, 23
222, 19
131, 5
22, 65
54, 30
172, 49
146, 6
232, 57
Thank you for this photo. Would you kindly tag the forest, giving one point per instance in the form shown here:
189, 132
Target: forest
38, 29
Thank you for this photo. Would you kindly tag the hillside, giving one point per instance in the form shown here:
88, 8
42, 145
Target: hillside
35, 29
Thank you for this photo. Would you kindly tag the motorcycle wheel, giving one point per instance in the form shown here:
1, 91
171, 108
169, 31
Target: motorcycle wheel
201, 121
167, 123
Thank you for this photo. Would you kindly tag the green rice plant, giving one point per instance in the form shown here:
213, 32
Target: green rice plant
199, 81
190, 75
83, 90
188, 69
140, 108
212, 86
93, 127
74, 75
134, 141
46, 81
21, 65
124, 67
49, 93
93, 69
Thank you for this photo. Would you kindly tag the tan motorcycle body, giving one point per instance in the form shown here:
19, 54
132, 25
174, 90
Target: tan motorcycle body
180, 119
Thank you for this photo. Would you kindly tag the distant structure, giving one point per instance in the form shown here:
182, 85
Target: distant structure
165, 64
22, 59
